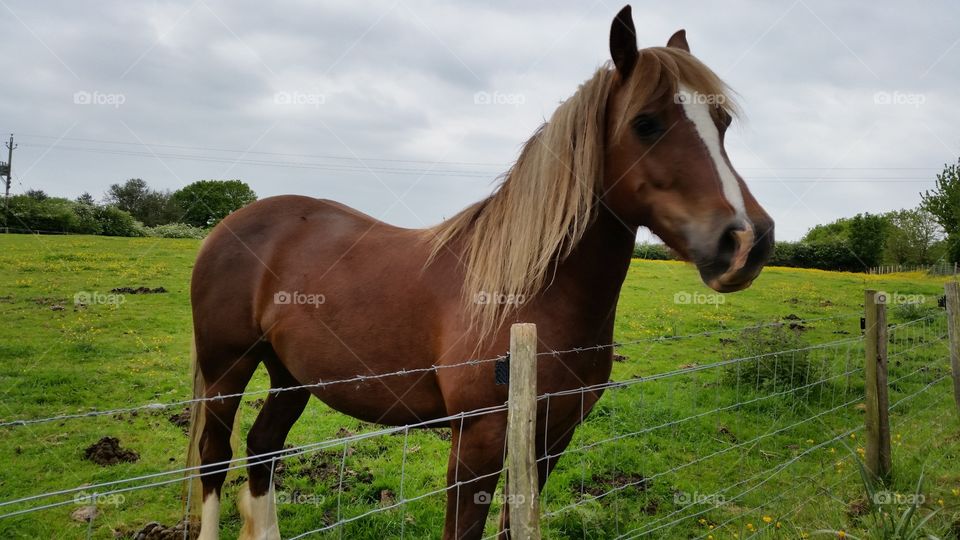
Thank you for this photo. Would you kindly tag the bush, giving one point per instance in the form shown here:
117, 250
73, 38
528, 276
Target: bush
42, 215
771, 371
115, 222
57, 215
825, 255
783, 254
907, 312
87, 222
176, 230
652, 252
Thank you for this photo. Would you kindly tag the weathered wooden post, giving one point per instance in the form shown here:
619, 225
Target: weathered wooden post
952, 289
878, 456
522, 486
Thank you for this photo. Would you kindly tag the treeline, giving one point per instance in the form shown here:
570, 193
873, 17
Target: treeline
130, 209
925, 235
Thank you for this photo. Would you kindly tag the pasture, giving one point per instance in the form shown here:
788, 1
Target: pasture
122, 349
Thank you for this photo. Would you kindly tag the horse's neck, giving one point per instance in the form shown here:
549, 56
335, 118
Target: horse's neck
587, 283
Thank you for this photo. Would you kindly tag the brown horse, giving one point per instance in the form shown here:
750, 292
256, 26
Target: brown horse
317, 291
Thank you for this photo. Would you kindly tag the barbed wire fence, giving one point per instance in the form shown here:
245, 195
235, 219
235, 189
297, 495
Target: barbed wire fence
709, 410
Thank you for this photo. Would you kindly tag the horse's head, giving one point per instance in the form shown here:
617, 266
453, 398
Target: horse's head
665, 164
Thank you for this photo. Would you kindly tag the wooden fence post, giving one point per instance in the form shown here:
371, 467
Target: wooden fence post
952, 290
522, 486
878, 456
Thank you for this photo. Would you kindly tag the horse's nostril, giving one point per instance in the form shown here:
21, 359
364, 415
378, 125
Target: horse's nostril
729, 242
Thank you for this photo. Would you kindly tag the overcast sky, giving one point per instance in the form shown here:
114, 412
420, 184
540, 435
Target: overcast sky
850, 106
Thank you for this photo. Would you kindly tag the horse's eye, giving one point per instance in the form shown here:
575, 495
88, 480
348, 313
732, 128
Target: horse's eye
646, 126
725, 117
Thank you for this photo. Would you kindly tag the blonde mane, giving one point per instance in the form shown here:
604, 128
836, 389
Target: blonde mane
540, 211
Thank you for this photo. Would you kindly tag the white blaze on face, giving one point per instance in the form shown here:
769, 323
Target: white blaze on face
698, 112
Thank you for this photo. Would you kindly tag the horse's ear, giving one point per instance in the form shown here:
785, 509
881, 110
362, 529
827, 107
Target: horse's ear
623, 42
679, 40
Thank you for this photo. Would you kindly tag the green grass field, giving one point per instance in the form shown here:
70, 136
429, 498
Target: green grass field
768, 451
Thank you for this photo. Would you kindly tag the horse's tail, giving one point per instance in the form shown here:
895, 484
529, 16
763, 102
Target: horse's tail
193, 491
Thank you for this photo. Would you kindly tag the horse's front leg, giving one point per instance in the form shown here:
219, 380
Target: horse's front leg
548, 453
476, 460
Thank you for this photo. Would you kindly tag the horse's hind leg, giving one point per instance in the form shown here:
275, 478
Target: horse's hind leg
258, 501
223, 374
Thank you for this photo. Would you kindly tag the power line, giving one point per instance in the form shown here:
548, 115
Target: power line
420, 161
258, 152
453, 172
275, 163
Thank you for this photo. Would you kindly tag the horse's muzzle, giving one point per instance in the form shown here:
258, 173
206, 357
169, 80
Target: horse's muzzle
738, 254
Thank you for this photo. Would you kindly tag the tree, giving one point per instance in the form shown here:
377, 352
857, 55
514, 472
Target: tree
128, 196
87, 199
148, 206
867, 237
912, 237
862, 236
37, 194
943, 202
206, 202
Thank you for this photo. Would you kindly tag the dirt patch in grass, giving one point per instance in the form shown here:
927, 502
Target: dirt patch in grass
600, 484
156, 531
107, 452
138, 290
324, 468
181, 419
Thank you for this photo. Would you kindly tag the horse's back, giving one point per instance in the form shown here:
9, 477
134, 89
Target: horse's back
334, 292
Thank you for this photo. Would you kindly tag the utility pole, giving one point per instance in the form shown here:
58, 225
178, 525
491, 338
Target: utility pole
7, 168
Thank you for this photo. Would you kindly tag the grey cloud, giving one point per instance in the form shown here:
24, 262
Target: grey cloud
398, 81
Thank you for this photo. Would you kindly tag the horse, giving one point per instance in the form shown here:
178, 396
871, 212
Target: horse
639, 144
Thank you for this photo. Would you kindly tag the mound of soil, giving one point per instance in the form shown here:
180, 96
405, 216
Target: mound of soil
138, 290
181, 419
156, 531
107, 451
